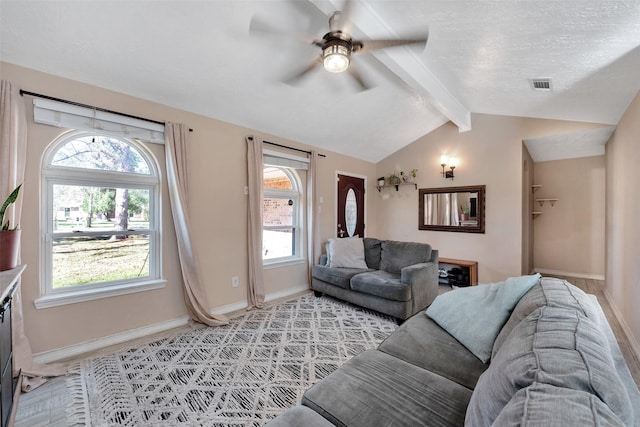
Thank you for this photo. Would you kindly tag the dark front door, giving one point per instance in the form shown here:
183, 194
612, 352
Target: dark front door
350, 206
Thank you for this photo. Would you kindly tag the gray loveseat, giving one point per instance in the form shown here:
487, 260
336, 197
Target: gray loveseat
399, 278
555, 362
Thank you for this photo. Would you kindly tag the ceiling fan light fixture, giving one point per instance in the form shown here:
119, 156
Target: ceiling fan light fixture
335, 57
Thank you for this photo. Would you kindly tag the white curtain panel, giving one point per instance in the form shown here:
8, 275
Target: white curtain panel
255, 164
455, 219
444, 214
431, 216
13, 149
441, 209
176, 145
312, 223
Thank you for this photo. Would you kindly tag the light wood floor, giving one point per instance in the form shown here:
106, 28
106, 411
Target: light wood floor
46, 405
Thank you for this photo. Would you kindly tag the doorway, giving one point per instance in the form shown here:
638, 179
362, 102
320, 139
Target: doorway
350, 215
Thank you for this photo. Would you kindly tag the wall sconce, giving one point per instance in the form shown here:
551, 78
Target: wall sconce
448, 161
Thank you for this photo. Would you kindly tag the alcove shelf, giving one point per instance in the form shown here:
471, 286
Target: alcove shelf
397, 186
535, 187
551, 201
535, 214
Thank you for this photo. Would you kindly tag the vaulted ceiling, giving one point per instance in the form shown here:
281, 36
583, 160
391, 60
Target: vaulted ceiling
199, 56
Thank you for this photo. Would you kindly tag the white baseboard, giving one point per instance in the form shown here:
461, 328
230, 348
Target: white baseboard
635, 346
286, 293
100, 343
568, 273
229, 308
122, 337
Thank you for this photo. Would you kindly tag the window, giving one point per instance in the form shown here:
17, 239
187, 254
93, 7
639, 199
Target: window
101, 219
282, 213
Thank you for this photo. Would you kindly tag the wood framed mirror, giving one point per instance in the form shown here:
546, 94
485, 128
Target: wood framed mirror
460, 209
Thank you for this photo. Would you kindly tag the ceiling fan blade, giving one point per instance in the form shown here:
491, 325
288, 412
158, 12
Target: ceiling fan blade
357, 77
295, 78
259, 27
341, 20
365, 46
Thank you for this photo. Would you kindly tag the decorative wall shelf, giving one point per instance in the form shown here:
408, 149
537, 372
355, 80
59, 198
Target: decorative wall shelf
397, 186
551, 201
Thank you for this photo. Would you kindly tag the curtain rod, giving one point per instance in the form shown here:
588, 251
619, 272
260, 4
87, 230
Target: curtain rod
78, 104
289, 148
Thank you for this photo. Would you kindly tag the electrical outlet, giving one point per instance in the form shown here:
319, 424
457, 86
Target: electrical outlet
235, 282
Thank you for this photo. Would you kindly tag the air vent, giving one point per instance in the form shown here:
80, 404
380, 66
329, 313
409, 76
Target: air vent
541, 84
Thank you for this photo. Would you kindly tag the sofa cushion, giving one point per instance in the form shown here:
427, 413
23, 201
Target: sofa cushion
376, 389
372, 249
548, 291
475, 315
422, 342
546, 405
557, 346
346, 253
336, 276
381, 284
396, 255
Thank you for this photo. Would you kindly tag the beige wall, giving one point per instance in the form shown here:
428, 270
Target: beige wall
490, 154
217, 172
622, 231
569, 236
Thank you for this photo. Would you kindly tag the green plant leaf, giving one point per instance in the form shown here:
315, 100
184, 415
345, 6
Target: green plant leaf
11, 199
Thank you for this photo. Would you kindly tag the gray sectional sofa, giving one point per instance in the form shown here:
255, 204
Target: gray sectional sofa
398, 278
554, 362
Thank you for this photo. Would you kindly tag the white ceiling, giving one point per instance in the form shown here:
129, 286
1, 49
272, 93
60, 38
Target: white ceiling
198, 56
585, 143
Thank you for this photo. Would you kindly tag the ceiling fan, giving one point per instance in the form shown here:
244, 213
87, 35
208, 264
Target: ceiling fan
337, 45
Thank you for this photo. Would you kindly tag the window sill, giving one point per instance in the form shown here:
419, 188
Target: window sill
82, 295
285, 262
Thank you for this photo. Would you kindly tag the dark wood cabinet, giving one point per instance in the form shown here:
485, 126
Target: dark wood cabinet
9, 282
6, 358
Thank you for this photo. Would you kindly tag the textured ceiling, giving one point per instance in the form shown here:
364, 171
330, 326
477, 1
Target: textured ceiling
585, 143
198, 56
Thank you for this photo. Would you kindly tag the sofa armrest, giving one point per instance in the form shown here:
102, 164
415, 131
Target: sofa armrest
423, 280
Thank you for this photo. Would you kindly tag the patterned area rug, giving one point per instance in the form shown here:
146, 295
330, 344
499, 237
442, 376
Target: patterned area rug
242, 374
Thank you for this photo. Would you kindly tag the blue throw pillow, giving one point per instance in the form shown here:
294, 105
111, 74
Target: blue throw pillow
475, 315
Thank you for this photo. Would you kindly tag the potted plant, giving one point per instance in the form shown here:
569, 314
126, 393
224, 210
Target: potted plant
9, 235
393, 179
410, 177
464, 216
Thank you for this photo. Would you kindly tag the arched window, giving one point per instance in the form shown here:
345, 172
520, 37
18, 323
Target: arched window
281, 214
101, 219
